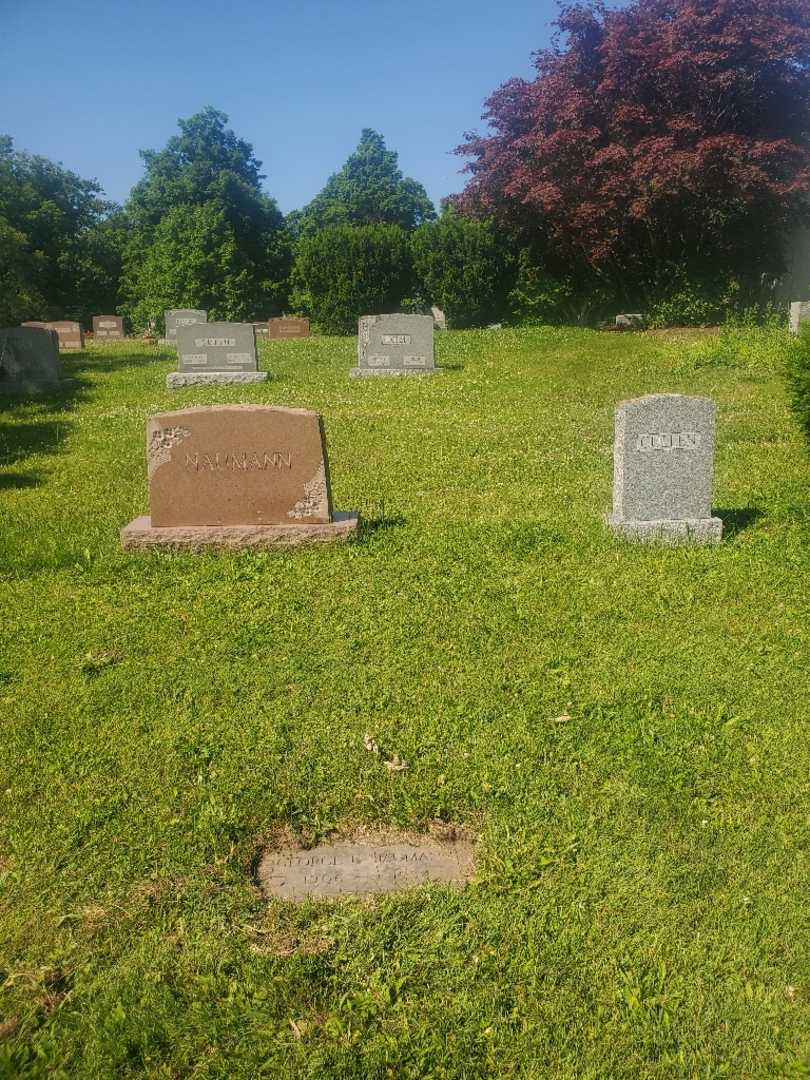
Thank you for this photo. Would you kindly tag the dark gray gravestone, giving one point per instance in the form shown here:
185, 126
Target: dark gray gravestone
108, 327
69, 333
663, 470
29, 361
345, 869
217, 352
394, 345
177, 317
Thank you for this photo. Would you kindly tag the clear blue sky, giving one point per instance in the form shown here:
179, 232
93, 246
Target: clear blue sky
91, 82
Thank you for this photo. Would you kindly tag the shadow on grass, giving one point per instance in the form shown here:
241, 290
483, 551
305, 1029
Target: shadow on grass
452, 365
94, 361
19, 480
736, 521
382, 523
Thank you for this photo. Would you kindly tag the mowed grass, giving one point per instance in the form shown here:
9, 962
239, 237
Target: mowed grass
625, 729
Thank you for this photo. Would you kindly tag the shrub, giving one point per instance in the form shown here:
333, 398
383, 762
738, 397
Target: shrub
346, 271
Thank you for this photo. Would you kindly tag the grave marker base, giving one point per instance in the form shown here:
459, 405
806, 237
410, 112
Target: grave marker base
141, 535
370, 373
682, 531
177, 379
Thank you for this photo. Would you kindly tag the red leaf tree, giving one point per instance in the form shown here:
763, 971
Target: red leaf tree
669, 132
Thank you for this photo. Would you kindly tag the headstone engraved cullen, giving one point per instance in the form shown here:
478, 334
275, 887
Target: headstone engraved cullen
176, 317
108, 328
799, 313
237, 476
663, 469
394, 345
29, 361
215, 352
346, 869
69, 333
287, 328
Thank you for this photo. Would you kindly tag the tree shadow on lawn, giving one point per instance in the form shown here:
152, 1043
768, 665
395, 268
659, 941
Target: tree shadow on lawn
93, 361
20, 441
20, 480
736, 521
381, 523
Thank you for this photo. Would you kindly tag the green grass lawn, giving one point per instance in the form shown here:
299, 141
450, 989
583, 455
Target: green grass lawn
625, 728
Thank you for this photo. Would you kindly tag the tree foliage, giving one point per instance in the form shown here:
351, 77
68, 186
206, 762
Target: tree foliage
370, 189
345, 271
204, 233
667, 131
462, 266
59, 241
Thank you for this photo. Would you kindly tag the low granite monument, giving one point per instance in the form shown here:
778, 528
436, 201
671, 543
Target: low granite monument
287, 328
799, 313
29, 361
663, 467
108, 328
177, 317
242, 476
394, 345
215, 353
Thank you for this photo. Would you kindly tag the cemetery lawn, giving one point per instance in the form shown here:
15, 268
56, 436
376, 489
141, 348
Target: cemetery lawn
624, 728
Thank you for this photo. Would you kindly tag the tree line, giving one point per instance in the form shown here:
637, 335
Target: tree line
658, 161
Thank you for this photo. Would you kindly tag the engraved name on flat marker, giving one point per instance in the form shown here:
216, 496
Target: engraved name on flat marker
344, 869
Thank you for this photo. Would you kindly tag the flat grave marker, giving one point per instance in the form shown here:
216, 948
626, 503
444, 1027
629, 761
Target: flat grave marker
394, 345
287, 328
237, 476
215, 353
108, 328
361, 869
29, 361
663, 460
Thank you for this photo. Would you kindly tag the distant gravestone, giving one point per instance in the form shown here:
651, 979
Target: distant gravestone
69, 333
177, 317
261, 329
29, 361
394, 345
439, 318
633, 321
287, 328
217, 352
345, 869
108, 327
799, 313
249, 476
663, 470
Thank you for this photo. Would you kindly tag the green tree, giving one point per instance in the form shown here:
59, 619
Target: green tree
345, 271
60, 248
219, 241
462, 266
370, 189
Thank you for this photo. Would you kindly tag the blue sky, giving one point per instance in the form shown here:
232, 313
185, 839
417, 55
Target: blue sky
90, 83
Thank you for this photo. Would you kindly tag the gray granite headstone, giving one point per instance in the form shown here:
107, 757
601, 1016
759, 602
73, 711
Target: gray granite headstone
346, 869
394, 345
633, 321
29, 361
177, 317
108, 328
439, 318
215, 352
799, 313
663, 468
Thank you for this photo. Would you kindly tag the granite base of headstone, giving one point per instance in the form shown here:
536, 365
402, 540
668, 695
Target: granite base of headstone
177, 317
29, 361
216, 354
287, 328
237, 476
108, 328
799, 313
663, 470
394, 345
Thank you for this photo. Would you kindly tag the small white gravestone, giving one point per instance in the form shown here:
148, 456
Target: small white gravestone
663, 469
799, 313
439, 318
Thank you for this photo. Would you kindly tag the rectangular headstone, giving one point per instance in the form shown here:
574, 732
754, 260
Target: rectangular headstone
29, 360
261, 329
287, 328
663, 469
394, 345
439, 318
69, 333
237, 475
176, 317
215, 352
345, 869
108, 327
799, 313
